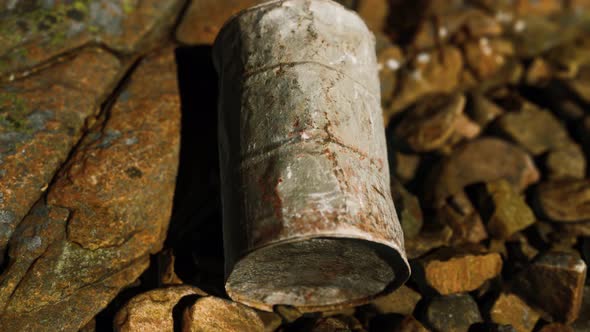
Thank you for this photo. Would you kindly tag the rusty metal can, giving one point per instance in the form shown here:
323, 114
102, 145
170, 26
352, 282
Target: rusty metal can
308, 216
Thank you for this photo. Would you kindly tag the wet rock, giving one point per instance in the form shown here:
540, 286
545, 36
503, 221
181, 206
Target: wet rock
108, 210
203, 19
556, 327
41, 118
152, 310
429, 72
44, 31
554, 283
215, 314
481, 160
374, 13
402, 301
510, 309
430, 125
408, 209
430, 237
534, 129
390, 60
450, 271
486, 56
566, 200
453, 313
459, 213
508, 211
482, 110
405, 166
567, 161
583, 321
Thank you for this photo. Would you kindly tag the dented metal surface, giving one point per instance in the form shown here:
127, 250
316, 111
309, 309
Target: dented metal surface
308, 215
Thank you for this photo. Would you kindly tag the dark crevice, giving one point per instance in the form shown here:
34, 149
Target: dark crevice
179, 309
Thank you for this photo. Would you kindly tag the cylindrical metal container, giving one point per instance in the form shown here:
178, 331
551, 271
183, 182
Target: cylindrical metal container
308, 216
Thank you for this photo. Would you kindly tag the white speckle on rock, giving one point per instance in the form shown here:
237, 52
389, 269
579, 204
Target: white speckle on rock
392, 64
519, 26
443, 32
484, 44
304, 135
423, 57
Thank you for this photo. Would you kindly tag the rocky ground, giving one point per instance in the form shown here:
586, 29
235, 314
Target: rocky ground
101, 228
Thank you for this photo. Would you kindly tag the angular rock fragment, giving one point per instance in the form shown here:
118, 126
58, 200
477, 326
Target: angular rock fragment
534, 129
482, 160
431, 123
408, 209
482, 109
430, 237
410, 324
566, 161
152, 310
428, 73
510, 309
459, 213
453, 313
508, 211
554, 282
203, 19
450, 271
539, 72
583, 322
215, 314
566, 200
533, 35
271, 320
113, 200
40, 32
402, 301
486, 56
41, 118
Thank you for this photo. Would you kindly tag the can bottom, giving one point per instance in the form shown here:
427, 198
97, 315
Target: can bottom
316, 274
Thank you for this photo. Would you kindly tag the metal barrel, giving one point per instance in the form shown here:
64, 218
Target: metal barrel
308, 217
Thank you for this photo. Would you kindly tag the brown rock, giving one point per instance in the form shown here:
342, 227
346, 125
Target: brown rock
40, 32
215, 314
534, 129
510, 309
390, 60
556, 327
453, 313
374, 13
533, 35
449, 271
408, 209
568, 58
410, 324
583, 322
567, 161
337, 323
458, 212
108, 210
271, 320
509, 211
405, 166
566, 200
486, 56
482, 109
402, 301
41, 118
203, 19
482, 160
166, 262
288, 313
554, 282
539, 72
431, 237
429, 72
430, 125
152, 310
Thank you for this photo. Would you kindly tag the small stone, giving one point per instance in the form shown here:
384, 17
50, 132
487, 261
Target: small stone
534, 129
453, 313
556, 327
271, 320
336, 323
289, 314
410, 324
568, 58
429, 72
449, 271
458, 212
566, 200
510, 309
215, 314
539, 72
485, 57
408, 209
482, 109
203, 19
567, 161
429, 125
554, 282
405, 166
402, 301
509, 211
431, 237
481, 160
152, 310
533, 35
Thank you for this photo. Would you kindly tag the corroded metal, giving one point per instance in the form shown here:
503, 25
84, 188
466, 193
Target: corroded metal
308, 216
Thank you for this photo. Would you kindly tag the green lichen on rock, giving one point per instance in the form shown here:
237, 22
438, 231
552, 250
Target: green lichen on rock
13, 113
